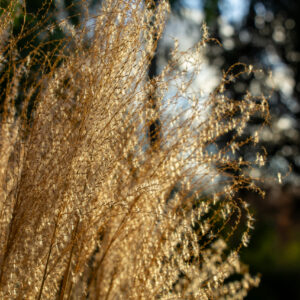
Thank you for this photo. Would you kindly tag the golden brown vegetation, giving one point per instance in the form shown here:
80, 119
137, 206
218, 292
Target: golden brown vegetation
89, 208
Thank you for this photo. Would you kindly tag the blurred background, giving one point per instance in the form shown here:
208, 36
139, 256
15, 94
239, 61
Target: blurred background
264, 34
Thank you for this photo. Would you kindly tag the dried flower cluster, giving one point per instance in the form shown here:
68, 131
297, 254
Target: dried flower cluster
90, 209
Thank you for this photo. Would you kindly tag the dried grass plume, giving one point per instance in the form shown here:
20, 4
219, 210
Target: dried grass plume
90, 209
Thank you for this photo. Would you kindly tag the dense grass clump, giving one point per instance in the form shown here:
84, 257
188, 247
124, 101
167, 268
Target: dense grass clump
91, 205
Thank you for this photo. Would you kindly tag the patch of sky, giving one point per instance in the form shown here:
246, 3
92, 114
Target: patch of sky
192, 4
234, 10
212, 149
282, 77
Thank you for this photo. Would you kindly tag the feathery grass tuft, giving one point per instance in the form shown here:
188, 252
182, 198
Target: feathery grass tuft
90, 208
